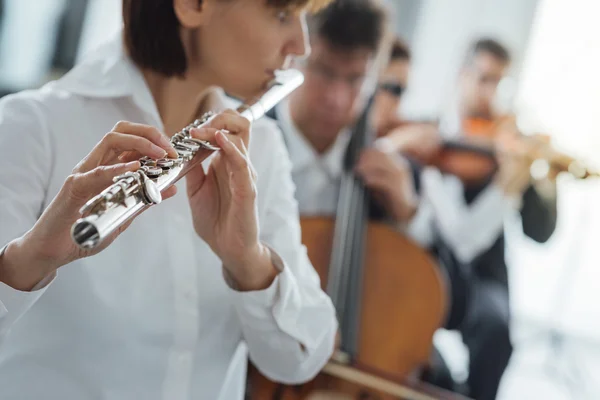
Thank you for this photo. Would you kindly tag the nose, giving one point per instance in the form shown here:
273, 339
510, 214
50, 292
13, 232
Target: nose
299, 44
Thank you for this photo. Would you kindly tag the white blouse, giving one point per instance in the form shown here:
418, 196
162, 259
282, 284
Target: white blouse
150, 317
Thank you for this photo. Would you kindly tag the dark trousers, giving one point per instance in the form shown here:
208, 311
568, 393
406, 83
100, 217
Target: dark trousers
485, 332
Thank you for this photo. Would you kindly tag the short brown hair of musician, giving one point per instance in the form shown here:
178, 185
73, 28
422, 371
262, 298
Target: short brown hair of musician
349, 25
152, 37
490, 46
400, 51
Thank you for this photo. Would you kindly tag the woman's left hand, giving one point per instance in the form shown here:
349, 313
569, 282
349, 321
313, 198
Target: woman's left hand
223, 203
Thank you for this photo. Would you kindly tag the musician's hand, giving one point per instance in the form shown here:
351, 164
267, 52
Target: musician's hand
223, 203
513, 175
420, 141
48, 245
389, 176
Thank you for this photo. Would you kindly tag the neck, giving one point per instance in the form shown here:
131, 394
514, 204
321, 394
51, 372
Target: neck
179, 100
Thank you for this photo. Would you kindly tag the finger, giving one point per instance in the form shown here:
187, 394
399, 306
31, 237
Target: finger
129, 156
170, 192
148, 132
366, 158
205, 133
375, 182
233, 154
115, 143
83, 186
375, 165
195, 179
233, 122
237, 164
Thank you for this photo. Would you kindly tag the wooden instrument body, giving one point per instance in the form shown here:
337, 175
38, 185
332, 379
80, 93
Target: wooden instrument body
389, 294
403, 304
471, 157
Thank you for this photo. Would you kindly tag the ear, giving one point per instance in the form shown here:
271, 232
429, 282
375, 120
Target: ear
191, 13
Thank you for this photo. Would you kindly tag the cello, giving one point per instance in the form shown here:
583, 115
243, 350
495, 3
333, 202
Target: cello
389, 294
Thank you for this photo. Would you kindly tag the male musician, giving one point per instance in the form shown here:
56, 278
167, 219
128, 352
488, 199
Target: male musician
316, 119
467, 222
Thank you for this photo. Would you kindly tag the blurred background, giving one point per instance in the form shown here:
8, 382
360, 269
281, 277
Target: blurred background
554, 88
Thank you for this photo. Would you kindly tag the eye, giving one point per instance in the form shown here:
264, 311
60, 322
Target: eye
283, 16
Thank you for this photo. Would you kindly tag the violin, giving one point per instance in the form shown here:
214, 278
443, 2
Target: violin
473, 157
389, 294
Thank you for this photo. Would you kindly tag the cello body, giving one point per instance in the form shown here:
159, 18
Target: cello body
389, 293
403, 304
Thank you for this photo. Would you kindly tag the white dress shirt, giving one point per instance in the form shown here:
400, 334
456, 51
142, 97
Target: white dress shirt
150, 317
316, 176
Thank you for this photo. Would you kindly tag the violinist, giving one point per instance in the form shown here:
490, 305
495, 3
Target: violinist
392, 85
387, 118
466, 220
173, 307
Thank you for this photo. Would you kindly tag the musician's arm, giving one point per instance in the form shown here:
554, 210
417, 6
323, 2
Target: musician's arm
290, 327
25, 160
420, 226
539, 211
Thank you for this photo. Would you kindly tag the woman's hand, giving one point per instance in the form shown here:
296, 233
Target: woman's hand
223, 203
48, 245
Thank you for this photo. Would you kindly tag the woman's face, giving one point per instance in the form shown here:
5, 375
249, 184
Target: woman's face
240, 43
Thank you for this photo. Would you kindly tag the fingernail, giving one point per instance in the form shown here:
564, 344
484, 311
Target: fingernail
222, 133
158, 150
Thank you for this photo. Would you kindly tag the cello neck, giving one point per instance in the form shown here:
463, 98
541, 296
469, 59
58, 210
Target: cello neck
345, 270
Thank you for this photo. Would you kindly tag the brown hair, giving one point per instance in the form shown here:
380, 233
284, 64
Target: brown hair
400, 50
151, 31
351, 24
490, 46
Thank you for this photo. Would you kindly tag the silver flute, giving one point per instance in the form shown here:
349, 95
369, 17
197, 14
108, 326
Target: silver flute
133, 192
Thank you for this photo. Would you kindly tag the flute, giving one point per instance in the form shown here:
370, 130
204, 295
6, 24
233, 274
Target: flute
134, 192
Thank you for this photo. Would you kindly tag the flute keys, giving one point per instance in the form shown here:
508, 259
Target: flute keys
152, 172
187, 154
165, 163
150, 192
187, 145
203, 143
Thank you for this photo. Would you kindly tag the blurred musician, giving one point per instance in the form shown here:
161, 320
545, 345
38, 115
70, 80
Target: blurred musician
316, 119
466, 222
392, 85
172, 307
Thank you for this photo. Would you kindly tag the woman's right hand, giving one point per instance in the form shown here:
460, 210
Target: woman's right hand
48, 245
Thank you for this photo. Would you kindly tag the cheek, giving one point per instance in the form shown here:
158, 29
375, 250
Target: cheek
238, 49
